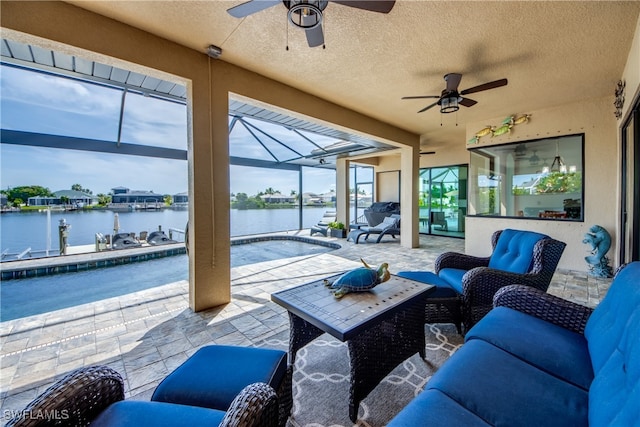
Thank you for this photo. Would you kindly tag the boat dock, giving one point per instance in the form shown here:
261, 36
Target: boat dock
35, 267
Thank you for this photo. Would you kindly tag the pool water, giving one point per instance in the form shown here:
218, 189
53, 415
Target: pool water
27, 297
270, 250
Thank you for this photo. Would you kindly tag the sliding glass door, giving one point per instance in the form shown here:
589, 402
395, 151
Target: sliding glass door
443, 200
629, 242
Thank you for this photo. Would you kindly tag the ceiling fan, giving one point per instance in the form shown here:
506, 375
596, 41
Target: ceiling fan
450, 99
307, 14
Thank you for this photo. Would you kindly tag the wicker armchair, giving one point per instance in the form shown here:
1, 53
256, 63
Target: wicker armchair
76, 399
477, 279
80, 397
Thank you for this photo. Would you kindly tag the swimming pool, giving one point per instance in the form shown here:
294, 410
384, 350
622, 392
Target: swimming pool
251, 250
27, 297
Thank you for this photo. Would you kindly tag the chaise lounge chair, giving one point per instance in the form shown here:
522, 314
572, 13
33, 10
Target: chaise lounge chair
389, 226
437, 218
322, 226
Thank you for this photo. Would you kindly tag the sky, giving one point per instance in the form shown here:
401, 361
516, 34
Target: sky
42, 103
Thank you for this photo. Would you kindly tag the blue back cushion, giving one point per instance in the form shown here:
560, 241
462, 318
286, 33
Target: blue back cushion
613, 335
614, 396
514, 251
609, 320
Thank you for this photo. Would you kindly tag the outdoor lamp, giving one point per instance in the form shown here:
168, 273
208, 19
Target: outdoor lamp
306, 14
449, 105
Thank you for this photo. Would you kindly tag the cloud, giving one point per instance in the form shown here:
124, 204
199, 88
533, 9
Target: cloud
72, 96
60, 169
151, 121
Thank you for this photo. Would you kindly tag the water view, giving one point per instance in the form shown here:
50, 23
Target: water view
22, 230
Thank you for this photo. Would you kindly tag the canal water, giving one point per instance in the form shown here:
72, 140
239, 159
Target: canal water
22, 230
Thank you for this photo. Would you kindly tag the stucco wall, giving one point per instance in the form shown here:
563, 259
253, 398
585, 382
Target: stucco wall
631, 74
596, 120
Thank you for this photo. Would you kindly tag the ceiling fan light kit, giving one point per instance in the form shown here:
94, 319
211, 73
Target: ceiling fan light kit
305, 14
449, 105
308, 14
450, 99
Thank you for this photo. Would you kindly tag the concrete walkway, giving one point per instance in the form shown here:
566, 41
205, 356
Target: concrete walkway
145, 335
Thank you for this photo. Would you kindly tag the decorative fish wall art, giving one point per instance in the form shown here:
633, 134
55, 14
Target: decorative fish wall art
505, 127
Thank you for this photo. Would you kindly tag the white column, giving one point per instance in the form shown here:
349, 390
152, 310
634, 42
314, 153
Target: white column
409, 211
342, 191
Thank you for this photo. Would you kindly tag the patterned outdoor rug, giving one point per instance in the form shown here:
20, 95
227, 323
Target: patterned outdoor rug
321, 381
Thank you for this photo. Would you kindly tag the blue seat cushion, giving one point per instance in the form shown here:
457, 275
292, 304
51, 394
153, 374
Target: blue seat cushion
433, 408
553, 349
216, 374
514, 251
504, 390
453, 276
443, 289
156, 414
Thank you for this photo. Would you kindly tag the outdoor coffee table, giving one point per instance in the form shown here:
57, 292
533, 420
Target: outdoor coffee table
382, 327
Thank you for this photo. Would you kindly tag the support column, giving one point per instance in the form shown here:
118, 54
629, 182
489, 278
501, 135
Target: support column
342, 191
409, 211
209, 252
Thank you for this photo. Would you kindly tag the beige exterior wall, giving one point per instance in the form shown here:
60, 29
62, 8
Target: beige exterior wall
76, 31
631, 74
596, 120
448, 153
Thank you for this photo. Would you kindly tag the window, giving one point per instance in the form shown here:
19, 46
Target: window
361, 191
443, 200
540, 179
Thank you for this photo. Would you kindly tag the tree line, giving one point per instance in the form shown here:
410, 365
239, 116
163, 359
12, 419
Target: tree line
18, 196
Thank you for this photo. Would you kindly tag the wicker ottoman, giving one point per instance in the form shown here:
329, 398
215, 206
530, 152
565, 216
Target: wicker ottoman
444, 305
215, 374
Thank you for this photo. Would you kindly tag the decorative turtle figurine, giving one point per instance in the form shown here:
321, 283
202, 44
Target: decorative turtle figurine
359, 279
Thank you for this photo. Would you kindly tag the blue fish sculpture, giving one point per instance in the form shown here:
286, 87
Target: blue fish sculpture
600, 242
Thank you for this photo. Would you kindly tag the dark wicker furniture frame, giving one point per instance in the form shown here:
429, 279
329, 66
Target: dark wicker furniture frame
481, 283
79, 397
542, 305
444, 310
376, 344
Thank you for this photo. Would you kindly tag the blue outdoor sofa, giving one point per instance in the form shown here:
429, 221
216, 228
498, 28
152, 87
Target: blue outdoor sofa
539, 360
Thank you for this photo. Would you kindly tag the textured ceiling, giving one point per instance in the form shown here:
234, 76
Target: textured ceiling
552, 53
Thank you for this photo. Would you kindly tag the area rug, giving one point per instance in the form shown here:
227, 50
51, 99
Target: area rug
321, 381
